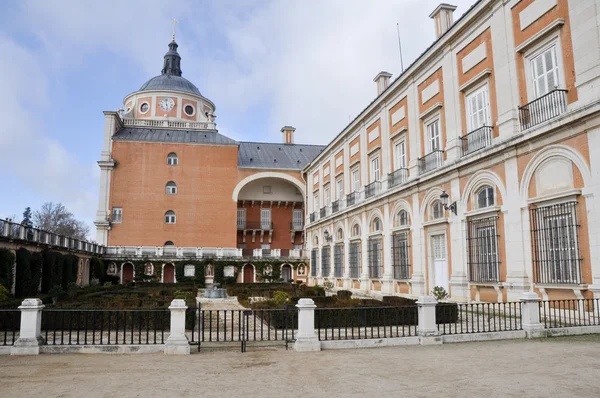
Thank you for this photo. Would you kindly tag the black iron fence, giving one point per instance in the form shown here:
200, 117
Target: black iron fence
431, 161
546, 107
478, 318
335, 206
209, 327
570, 313
365, 323
476, 140
105, 327
483, 259
10, 322
397, 177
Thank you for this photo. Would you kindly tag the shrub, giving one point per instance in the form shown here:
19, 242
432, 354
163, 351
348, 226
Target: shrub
439, 293
280, 298
328, 286
107, 284
23, 279
344, 294
56, 291
3, 294
98, 269
7, 260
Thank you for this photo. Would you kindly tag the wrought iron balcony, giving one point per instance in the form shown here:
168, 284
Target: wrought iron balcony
372, 189
476, 140
297, 226
323, 212
431, 161
398, 177
256, 225
352, 198
547, 107
335, 206
313, 217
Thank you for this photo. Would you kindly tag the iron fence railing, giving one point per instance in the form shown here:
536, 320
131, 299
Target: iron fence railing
478, 317
313, 216
570, 313
354, 260
544, 108
105, 327
323, 212
483, 259
373, 189
335, 206
431, 161
397, 177
365, 323
352, 198
10, 321
476, 140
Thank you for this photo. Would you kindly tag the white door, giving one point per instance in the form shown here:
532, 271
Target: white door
440, 262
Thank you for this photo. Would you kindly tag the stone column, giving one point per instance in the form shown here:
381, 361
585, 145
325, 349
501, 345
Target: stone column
530, 315
306, 340
30, 336
347, 233
365, 282
427, 329
177, 343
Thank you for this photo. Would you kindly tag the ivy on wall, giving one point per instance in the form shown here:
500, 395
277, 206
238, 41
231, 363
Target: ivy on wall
7, 260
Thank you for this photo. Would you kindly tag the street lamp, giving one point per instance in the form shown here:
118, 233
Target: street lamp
444, 199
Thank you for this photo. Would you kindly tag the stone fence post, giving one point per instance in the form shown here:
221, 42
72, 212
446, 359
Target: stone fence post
530, 315
427, 329
30, 334
306, 339
177, 343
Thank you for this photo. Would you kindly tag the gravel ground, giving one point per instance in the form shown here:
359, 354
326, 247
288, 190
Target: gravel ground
558, 367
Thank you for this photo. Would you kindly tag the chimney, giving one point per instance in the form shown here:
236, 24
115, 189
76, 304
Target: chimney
383, 81
288, 134
443, 19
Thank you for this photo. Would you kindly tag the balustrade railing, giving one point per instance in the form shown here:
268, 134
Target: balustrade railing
257, 225
173, 124
431, 161
296, 226
476, 140
547, 107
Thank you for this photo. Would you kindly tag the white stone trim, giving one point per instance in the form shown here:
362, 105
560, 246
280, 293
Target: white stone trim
269, 174
432, 109
354, 149
397, 133
476, 79
534, 11
473, 58
399, 115
557, 23
430, 91
374, 134
477, 180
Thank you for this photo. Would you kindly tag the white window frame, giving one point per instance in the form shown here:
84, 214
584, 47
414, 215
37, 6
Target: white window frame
400, 155
316, 201
170, 218
339, 188
481, 115
430, 137
172, 161
536, 51
241, 218
297, 217
265, 218
479, 191
355, 179
117, 219
171, 189
432, 211
375, 169
327, 196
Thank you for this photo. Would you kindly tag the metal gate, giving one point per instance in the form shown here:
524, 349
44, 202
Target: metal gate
260, 327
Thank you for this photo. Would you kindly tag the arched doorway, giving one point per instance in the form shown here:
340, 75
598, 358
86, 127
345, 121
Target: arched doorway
127, 273
248, 273
168, 273
286, 273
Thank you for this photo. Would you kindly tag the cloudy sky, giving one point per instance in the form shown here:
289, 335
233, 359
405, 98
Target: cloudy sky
265, 64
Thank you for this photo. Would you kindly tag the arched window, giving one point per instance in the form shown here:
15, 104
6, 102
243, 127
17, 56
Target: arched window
437, 211
171, 188
376, 225
339, 235
401, 218
355, 230
170, 217
485, 197
316, 240
169, 243
172, 159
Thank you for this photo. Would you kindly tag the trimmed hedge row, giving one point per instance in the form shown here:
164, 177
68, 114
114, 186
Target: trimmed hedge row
7, 260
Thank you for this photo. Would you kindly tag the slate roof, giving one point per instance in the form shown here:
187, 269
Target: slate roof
263, 155
176, 136
170, 83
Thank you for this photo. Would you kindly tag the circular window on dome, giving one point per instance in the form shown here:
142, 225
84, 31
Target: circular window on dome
189, 110
144, 107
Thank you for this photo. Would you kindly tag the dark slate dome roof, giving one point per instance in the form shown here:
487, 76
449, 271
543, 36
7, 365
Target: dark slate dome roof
170, 83
170, 78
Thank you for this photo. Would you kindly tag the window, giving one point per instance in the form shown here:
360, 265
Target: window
316, 202
325, 260
339, 187
400, 155
376, 225
555, 239
265, 218
544, 72
189, 110
437, 211
327, 198
169, 243
375, 169
355, 180
433, 136
338, 260
482, 246
189, 270
485, 197
400, 255
170, 217
172, 159
171, 188
297, 219
374, 256
117, 215
339, 236
401, 218
314, 261
241, 218
478, 108
354, 260
267, 190
355, 230
144, 108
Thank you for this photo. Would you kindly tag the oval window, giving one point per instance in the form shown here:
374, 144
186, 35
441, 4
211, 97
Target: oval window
189, 110
144, 107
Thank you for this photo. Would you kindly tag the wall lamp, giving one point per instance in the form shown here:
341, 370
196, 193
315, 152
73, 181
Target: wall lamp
327, 236
452, 207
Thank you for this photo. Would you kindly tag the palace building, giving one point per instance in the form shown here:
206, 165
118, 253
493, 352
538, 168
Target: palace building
472, 171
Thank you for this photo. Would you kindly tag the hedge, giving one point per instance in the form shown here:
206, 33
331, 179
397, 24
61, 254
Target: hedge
98, 269
37, 261
23, 277
7, 260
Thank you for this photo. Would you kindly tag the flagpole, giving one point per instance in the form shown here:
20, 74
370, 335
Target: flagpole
400, 47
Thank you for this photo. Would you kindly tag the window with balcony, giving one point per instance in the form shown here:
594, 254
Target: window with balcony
117, 215
297, 220
171, 188
241, 218
327, 197
170, 217
172, 159
374, 169
435, 156
339, 189
265, 219
544, 72
400, 155
482, 245
479, 121
434, 139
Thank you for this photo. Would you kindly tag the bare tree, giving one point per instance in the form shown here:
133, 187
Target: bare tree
54, 217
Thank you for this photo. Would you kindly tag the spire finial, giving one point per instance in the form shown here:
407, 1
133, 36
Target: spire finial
174, 24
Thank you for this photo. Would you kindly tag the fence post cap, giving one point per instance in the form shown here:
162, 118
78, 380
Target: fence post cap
530, 296
427, 300
177, 304
31, 303
306, 303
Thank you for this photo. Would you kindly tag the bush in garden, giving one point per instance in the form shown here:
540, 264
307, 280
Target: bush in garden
23, 277
7, 260
3, 294
280, 298
344, 294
